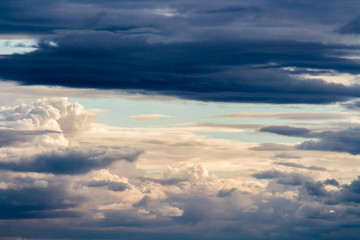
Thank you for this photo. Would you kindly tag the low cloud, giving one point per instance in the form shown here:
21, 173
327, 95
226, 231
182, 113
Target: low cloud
49, 200
72, 161
297, 165
10, 137
287, 131
346, 140
113, 186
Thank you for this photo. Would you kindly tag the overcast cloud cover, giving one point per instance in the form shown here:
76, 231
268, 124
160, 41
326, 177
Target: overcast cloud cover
269, 149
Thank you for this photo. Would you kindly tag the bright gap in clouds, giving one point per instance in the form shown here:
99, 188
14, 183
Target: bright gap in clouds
205, 118
17, 46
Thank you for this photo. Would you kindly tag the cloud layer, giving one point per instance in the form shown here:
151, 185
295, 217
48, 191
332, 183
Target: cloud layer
187, 50
85, 188
346, 140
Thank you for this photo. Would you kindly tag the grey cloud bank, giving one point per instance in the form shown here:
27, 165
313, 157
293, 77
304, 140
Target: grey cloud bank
225, 51
346, 140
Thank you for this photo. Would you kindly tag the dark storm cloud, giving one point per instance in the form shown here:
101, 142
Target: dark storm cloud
208, 71
72, 161
184, 49
39, 16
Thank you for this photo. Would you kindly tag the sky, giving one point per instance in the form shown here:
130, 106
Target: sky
155, 119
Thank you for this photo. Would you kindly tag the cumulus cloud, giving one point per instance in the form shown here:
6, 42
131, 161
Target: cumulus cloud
35, 137
314, 190
47, 122
47, 114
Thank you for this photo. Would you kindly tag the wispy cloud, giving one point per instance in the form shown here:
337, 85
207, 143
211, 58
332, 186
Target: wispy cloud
290, 116
148, 117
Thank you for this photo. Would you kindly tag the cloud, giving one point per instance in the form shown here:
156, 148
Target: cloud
351, 27
13, 137
291, 116
287, 131
50, 200
55, 114
272, 147
346, 140
148, 117
296, 165
353, 105
338, 141
72, 161
291, 179
286, 156
218, 127
236, 79
251, 52
113, 186
75, 179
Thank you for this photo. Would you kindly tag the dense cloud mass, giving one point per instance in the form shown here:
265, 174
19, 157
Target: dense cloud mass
253, 51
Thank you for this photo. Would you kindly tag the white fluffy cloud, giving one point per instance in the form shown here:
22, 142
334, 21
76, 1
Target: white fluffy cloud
47, 114
47, 121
